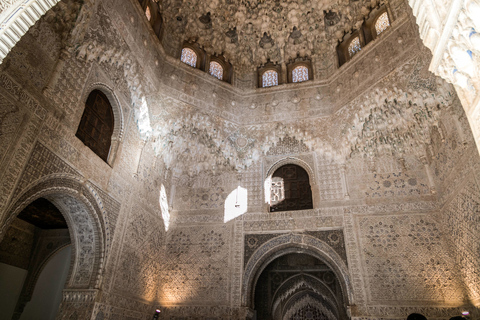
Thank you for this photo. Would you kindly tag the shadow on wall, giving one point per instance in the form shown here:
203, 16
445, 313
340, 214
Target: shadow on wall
47, 295
416, 316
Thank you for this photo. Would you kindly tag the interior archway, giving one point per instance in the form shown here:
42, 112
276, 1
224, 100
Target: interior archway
32, 256
85, 219
298, 286
288, 244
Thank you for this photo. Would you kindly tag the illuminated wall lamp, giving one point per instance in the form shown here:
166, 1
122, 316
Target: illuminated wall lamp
157, 313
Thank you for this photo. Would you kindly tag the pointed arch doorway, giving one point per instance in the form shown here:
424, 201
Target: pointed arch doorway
298, 286
296, 276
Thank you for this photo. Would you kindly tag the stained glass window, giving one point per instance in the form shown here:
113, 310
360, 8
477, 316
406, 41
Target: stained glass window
189, 57
148, 13
216, 70
270, 78
354, 46
382, 23
300, 74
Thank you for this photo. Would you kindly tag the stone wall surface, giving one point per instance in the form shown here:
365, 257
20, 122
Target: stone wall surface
391, 158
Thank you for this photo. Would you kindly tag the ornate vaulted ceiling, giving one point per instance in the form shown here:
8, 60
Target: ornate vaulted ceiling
249, 33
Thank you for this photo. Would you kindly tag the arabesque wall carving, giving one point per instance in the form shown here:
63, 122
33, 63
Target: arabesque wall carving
387, 144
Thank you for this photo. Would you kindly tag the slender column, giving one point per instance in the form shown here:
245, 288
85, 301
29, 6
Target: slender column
144, 142
283, 74
461, 135
52, 82
173, 188
248, 313
431, 183
343, 173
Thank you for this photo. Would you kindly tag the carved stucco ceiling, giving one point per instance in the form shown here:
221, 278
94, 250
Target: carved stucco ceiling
249, 32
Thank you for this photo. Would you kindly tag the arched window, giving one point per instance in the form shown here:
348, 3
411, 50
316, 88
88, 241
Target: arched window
382, 23
269, 75
290, 189
269, 78
300, 74
96, 127
299, 70
354, 46
216, 70
189, 57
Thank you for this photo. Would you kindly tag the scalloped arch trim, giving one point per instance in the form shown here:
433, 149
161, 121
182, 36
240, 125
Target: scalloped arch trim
17, 18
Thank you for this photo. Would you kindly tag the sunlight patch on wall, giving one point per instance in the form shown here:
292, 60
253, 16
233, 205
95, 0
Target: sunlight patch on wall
143, 120
277, 190
267, 187
274, 190
164, 207
236, 204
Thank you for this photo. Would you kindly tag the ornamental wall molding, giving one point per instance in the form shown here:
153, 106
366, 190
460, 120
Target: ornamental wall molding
394, 312
76, 295
413, 207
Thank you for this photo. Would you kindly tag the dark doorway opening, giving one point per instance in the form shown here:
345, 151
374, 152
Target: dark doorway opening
299, 286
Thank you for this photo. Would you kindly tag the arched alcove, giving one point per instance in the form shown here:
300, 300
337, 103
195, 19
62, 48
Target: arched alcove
294, 244
296, 284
